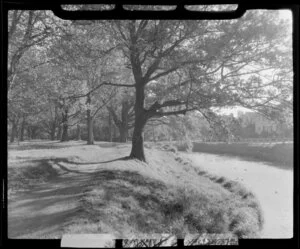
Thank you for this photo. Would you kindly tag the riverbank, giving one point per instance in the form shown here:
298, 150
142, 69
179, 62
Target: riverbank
279, 154
56, 188
273, 187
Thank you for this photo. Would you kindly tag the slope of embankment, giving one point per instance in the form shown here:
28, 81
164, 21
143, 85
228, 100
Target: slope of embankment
56, 188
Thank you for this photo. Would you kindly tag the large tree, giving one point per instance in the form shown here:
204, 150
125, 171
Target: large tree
174, 66
122, 113
180, 66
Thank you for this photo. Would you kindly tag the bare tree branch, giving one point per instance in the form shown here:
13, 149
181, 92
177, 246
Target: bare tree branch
104, 103
157, 106
97, 87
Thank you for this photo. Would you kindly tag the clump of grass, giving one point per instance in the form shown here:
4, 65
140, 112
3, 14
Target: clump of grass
201, 172
235, 187
228, 185
220, 179
247, 220
243, 225
178, 159
213, 178
192, 212
181, 160
169, 147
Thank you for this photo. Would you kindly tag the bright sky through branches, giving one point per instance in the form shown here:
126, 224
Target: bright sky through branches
284, 14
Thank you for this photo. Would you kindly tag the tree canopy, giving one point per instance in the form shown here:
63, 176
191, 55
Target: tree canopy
63, 72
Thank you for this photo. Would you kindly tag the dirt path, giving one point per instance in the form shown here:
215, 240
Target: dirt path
272, 186
45, 209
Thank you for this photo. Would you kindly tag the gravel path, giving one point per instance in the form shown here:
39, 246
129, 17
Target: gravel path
272, 186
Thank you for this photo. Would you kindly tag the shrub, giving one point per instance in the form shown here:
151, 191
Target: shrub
243, 225
169, 147
186, 145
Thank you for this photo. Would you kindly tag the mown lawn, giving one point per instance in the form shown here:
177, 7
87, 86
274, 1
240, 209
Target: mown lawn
57, 188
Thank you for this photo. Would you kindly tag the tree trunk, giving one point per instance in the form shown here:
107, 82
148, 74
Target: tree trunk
153, 134
114, 133
110, 127
78, 132
13, 131
58, 135
90, 124
28, 131
65, 136
123, 133
52, 132
137, 150
123, 128
121, 123
33, 132
22, 130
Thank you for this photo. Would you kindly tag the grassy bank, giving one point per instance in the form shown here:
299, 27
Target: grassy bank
76, 188
278, 153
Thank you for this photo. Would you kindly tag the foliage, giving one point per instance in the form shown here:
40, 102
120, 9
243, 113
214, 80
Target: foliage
148, 72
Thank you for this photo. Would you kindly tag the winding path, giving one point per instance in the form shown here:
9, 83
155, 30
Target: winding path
272, 186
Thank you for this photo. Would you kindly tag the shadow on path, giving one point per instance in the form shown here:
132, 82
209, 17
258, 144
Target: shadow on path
45, 207
65, 160
49, 208
41, 146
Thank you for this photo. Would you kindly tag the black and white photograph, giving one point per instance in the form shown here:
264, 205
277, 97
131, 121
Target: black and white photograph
134, 127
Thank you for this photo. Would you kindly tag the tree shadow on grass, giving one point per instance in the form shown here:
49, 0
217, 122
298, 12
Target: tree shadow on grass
92, 202
140, 198
41, 146
108, 144
58, 202
29, 224
65, 160
59, 145
45, 205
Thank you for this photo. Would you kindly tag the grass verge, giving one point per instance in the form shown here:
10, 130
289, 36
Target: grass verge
127, 198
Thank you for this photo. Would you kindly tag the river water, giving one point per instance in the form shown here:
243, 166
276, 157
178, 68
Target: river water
272, 186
